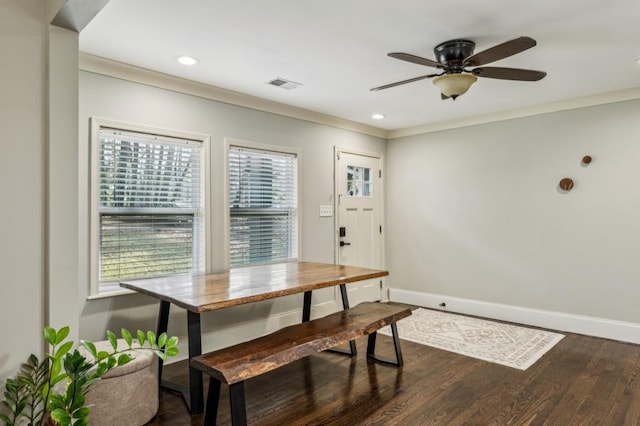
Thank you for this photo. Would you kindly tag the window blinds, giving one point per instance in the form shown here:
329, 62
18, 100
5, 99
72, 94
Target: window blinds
263, 206
150, 205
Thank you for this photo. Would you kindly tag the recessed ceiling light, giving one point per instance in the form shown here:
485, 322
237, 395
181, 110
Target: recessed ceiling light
187, 60
378, 116
638, 61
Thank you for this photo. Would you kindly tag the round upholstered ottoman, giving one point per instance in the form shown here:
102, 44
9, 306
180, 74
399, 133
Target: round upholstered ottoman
126, 395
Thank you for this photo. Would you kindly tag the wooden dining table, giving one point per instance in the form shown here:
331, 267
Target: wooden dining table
239, 286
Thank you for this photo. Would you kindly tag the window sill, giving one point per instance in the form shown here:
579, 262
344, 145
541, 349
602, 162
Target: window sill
111, 291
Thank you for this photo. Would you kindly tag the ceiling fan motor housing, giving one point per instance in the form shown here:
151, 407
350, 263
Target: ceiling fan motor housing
452, 54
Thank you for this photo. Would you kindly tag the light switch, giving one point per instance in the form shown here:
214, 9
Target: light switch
326, 211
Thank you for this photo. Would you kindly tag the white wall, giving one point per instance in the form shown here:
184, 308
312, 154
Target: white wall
475, 213
38, 170
117, 99
23, 44
62, 248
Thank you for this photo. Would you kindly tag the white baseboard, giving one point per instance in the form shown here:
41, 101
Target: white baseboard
591, 326
241, 332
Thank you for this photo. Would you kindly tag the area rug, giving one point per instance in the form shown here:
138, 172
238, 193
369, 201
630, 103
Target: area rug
504, 344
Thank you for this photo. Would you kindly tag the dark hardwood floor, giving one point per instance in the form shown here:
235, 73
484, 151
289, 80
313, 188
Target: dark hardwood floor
581, 381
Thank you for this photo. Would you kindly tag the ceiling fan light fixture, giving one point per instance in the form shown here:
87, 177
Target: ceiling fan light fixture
454, 85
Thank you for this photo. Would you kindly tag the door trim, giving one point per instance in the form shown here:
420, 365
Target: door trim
384, 293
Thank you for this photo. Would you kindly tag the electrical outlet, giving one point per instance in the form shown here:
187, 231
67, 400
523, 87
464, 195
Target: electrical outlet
326, 211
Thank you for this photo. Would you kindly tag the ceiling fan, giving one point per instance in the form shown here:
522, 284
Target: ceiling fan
455, 57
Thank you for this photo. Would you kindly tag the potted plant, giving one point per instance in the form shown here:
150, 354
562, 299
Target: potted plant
52, 390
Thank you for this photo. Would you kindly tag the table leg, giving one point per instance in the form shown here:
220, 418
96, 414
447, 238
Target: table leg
345, 298
352, 344
345, 305
193, 395
306, 307
196, 397
163, 322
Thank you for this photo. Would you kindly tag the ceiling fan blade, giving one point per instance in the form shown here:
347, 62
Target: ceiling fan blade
509, 73
415, 59
500, 51
398, 83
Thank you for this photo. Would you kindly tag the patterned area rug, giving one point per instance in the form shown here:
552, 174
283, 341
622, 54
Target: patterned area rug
504, 344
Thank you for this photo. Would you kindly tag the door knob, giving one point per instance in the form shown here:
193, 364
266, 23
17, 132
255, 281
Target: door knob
342, 244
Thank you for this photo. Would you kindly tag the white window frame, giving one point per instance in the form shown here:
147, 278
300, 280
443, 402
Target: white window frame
97, 289
227, 214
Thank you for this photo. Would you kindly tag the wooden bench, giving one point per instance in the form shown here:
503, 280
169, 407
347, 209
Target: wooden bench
235, 364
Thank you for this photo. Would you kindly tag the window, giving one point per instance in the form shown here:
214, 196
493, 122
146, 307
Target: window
148, 205
359, 181
262, 205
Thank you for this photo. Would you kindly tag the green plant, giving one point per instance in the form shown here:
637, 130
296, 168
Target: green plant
53, 389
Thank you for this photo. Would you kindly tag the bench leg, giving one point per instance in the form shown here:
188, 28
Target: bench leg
238, 408
211, 413
371, 348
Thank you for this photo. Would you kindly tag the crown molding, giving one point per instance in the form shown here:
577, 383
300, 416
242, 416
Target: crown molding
581, 102
99, 65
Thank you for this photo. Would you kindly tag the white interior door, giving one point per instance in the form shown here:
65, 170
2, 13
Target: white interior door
359, 198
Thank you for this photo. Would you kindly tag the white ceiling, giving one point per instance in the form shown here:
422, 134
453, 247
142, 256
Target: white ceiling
338, 50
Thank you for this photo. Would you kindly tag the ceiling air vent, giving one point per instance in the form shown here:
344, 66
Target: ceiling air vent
285, 84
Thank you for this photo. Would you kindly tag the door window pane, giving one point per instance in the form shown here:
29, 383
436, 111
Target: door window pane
359, 181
